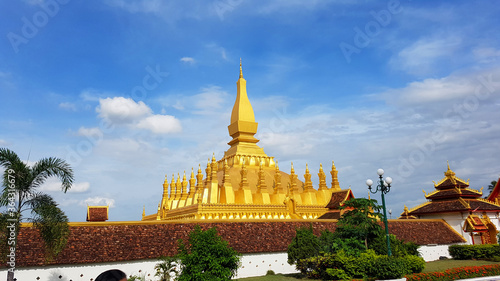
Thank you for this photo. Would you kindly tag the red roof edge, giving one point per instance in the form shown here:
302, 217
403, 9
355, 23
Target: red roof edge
494, 193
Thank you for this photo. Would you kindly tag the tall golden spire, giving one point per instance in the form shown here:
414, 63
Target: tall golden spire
243, 126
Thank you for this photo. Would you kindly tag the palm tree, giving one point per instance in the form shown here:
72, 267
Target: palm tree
20, 194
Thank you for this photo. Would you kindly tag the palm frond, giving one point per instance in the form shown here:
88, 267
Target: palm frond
8, 157
49, 167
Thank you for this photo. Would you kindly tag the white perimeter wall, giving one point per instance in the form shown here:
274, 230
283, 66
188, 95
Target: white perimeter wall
251, 265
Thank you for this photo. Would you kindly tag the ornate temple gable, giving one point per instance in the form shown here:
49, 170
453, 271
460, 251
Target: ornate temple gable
405, 215
474, 223
451, 181
454, 193
452, 187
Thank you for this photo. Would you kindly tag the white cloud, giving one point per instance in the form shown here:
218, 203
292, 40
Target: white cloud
486, 55
141, 6
89, 132
422, 56
67, 106
449, 88
80, 187
160, 124
218, 49
98, 201
210, 98
189, 60
3, 142
120, 110
209, 101
54, 184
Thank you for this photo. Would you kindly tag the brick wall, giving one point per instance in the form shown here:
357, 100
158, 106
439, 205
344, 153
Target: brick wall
107, 242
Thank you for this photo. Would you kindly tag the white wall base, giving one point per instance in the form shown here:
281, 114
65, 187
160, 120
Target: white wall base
251, 265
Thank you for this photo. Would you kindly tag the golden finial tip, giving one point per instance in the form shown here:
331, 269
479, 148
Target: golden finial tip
241, 70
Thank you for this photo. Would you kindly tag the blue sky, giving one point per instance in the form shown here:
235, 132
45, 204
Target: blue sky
128, 91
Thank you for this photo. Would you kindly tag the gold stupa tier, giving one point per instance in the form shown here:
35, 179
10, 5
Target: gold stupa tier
245, 183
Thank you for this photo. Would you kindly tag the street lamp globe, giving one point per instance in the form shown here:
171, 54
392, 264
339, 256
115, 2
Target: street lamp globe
369, 182
380, 172
388, 180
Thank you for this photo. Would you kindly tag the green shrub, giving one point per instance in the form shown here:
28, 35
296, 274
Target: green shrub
304, 245
366, 262
326, 240
467, 252
337, 274
390, 267
270, 272
348, 264
315, 267
411, 248
415, 264
399, 248
207, 257
350, 246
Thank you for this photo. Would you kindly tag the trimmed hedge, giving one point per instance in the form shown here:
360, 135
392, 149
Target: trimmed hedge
340, 266
469, 252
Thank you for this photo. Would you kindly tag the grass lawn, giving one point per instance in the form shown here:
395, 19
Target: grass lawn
433, 266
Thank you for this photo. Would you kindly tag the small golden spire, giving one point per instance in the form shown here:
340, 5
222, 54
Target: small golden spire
241, 70
307, 169
143, 211
292, 170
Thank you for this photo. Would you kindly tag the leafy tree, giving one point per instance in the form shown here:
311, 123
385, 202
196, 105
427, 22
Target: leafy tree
19, 194
304, 245
359, 220
207, 257
492, 185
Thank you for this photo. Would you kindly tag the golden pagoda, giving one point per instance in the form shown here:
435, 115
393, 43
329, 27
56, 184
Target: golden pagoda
246, 183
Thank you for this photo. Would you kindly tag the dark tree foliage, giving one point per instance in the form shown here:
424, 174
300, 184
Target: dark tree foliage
492, 185
359, 220
304, 245
206, 257
399, 248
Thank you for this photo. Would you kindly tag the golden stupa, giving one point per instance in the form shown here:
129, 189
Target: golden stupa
245, 183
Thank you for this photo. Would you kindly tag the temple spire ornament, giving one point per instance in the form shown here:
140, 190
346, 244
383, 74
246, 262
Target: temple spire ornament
243, 126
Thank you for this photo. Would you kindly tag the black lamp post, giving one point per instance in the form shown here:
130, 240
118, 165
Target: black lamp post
384, 186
